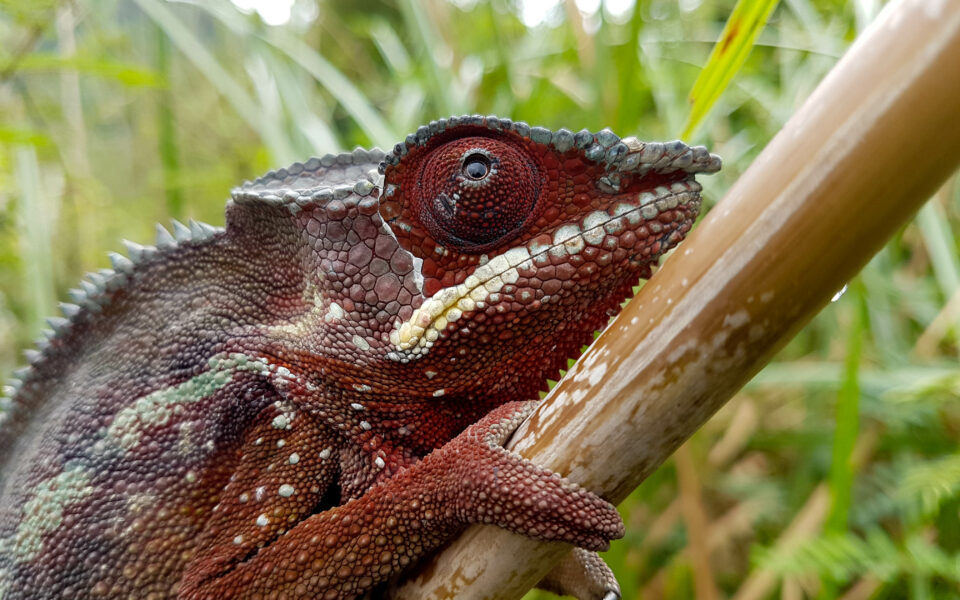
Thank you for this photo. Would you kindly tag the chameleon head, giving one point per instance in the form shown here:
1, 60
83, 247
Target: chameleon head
523, 232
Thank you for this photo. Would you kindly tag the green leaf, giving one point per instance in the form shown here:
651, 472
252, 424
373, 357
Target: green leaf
127, 74
929, 485
16, 137
729, 54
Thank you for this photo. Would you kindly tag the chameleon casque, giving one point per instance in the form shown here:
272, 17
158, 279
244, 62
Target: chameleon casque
304, 402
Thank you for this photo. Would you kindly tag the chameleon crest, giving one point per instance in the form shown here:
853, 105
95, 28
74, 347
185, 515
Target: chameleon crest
306, 401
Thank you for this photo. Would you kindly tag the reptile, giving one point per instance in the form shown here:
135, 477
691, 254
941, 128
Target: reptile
302, 403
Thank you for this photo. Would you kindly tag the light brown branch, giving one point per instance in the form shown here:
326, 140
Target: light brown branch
875, 139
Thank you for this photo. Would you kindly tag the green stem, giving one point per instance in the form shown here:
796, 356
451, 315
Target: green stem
167, 135
847, 428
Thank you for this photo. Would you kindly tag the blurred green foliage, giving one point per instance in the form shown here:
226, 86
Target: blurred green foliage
834, 474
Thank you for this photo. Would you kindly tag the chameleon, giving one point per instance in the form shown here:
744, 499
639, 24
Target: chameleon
306, 401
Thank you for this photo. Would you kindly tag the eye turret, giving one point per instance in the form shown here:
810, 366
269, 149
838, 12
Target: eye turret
476, 193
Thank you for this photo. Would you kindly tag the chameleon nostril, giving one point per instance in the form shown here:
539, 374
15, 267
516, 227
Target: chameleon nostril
446, 204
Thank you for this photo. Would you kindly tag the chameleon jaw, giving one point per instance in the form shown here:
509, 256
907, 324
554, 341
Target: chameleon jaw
600, 228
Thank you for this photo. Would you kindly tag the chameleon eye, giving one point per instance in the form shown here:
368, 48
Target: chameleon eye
476, 166
476, 193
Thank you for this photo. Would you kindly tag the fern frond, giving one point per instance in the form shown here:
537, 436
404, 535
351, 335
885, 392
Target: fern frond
926, 486
842, 558
932, 390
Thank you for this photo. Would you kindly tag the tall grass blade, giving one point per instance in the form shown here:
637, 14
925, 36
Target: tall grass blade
847, 419
431, 48
941, 246
342, 89
348, 95
166, 130
315, 135
409, 96
729, 54
233, 92
34, 219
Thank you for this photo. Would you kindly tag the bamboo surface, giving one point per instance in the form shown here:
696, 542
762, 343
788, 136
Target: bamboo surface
878, 136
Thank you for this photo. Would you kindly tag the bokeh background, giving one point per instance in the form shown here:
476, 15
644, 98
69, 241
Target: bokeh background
834, 474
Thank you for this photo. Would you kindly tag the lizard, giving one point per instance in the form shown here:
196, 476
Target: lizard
307, 400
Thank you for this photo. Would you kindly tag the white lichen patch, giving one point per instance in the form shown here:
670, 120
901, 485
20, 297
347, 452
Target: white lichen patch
595, 373
737, 319
43, 513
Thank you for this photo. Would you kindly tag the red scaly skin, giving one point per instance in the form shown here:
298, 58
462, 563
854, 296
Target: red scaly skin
304, 403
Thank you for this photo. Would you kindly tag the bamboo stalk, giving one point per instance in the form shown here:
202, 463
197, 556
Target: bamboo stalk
876, 138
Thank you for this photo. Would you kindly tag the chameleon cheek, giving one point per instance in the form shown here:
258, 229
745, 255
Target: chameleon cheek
477, 193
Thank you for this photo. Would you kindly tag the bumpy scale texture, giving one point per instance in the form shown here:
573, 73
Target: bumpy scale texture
304, 402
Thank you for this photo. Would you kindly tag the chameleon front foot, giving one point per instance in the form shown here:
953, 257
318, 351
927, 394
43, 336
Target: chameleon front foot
342, 552
498, 487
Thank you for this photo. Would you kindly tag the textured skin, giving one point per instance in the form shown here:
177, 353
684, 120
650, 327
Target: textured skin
582, 574
304, 402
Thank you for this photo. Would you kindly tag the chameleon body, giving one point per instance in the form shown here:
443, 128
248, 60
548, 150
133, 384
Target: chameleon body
304, 402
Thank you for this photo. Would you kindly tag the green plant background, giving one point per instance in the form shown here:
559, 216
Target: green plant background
835, 473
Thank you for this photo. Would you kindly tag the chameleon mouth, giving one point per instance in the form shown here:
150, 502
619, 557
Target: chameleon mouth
625, 162
601, 228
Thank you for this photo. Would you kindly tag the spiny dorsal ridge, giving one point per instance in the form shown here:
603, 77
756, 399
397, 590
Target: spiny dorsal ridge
134, 250
180, 231
358, 156
165, 241
120, 262
69, 310
93, 291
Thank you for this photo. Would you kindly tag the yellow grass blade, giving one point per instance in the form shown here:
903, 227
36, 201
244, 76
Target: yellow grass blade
729, 54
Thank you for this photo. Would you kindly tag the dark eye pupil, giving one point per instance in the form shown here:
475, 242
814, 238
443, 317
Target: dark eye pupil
476, 166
